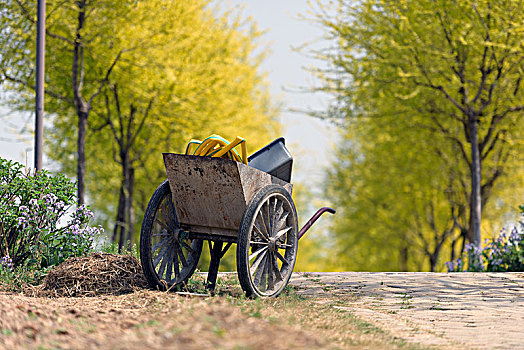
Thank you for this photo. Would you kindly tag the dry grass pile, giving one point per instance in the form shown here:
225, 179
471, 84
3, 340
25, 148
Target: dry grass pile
96, 274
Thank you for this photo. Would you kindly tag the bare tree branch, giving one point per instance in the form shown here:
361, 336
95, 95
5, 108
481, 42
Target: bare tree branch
48, 32
142, 122
32, 87
106, 77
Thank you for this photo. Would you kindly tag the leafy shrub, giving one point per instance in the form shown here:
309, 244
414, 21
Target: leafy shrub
505, 253
32, 207
17, 279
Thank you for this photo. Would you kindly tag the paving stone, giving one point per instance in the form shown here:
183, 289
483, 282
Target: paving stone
450, 310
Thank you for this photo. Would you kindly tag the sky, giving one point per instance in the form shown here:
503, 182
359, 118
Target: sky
310, 140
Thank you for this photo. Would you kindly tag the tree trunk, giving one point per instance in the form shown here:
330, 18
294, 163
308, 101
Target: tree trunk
121, 236
126, 212
452, 253
404, 255
433, 258
82, 108
130, 211
122, 225
433, 261
119, 220
476, 204
81, 146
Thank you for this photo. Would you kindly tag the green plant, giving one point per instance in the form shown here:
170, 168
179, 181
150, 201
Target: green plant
196, 283
33, 209
16, 279
112, 248
505, 253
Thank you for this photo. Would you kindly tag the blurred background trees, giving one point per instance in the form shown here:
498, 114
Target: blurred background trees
429, 96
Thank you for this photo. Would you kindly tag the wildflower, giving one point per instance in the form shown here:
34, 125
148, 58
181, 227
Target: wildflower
6, 262
450, 265
22, 221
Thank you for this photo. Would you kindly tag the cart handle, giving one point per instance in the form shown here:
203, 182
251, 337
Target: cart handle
314, 218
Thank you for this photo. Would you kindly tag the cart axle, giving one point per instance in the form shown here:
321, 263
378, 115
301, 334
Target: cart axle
314, 218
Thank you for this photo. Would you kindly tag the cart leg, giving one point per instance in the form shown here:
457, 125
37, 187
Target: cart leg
216, 254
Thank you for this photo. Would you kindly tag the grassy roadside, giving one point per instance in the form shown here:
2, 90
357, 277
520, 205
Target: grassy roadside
327, 320
159, 320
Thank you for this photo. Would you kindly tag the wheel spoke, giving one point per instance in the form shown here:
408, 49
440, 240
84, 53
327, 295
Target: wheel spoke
160, 255
276, 214
256, 263
172, 211
272, 202
259, 243
260, 218
165, 213
283, 232
259, 231
177, 268
260, 270
282, 220
169, 215
278, 275
159, 244
163, 234
265, 277
270, 280
165, 259
254, 254
267, 219
182, 257
187, 246
169, 266
281, 257
163, 224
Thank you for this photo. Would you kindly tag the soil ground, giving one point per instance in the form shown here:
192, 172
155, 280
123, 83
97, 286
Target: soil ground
320, 310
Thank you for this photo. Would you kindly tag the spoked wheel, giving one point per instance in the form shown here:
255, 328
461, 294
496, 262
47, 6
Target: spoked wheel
167, 255
267, 242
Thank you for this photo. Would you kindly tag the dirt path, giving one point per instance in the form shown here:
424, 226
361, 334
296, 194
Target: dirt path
141, 320
322, 311
470, 310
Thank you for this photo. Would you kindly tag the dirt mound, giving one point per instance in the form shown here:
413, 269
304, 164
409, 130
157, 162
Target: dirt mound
96, 274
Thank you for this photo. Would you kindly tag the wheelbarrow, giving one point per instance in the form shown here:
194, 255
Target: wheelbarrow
224, 202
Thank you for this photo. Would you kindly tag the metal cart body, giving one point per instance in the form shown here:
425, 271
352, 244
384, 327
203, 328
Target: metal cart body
211, 194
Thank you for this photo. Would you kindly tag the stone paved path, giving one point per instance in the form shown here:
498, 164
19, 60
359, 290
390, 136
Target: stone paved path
457, 310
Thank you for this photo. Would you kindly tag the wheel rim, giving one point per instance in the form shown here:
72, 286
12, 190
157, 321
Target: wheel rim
272, 245
173, 254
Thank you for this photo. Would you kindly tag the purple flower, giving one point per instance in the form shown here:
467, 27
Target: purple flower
22, 221
515, 236
450, 265
7, 262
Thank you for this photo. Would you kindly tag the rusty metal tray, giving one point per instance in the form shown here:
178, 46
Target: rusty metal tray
210, 195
